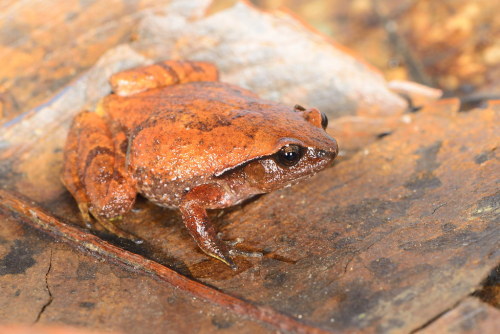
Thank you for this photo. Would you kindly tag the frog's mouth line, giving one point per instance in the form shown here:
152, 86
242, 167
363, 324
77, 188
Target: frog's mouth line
332, 154
282, 142
230, 169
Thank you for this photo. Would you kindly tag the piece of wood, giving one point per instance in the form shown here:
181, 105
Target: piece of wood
386, 240
103, 250
469, 316
44, 282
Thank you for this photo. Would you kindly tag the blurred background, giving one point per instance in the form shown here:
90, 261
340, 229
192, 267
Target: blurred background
451, 44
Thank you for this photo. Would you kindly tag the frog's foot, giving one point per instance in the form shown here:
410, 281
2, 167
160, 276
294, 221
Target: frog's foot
167, 73
84, 211
203, 232
109, 225
211, 245
225, 251
221, 253
234, 251
231, 243
194, 214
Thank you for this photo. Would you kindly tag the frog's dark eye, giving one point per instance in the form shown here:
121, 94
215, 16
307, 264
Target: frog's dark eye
289, 155
324, 121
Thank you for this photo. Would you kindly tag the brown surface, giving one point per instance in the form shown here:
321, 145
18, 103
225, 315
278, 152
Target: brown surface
390, 260
79, 290
40, 329
42, 53
490, 292
105, 251
386, 241
470, 316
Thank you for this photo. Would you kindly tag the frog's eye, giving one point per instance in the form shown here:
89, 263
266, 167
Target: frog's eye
324, 121
289, 155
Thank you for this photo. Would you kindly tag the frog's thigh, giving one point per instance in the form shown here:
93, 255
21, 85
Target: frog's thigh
162, 74
194, 215
70, 173
109, 190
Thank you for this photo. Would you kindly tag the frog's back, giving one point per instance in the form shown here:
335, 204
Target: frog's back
205, 128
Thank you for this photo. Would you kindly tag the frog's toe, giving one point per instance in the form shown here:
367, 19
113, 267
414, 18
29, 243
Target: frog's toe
84, 211
229, 261
227, 257
109, 225
126, 235
230, 243
240, 252
235, 251
223, 256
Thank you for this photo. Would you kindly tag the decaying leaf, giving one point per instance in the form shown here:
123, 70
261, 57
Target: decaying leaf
384, 241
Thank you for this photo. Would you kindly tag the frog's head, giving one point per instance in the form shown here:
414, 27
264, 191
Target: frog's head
295, 158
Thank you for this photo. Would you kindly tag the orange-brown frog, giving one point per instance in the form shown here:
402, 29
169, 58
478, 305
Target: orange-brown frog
175, 135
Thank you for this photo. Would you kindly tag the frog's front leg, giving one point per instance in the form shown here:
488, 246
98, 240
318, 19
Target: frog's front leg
167, 73
94, 172
194, 215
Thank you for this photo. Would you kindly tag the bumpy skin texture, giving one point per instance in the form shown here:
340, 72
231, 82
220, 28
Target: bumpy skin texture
173, 134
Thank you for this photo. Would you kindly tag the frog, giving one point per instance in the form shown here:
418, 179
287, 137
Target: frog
175, 134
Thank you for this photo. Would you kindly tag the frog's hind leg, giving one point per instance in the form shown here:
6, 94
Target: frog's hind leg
167, 73
194, 214
94, 172
70, 176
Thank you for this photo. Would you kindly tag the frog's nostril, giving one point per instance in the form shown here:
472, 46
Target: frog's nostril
326, 154
321, 154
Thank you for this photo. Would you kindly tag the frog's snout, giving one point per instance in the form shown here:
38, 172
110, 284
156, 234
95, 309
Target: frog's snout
335, 149
329, 154
325, 154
